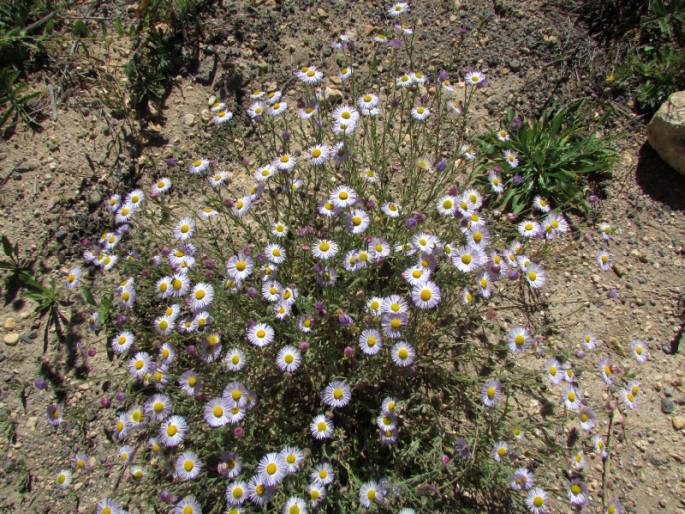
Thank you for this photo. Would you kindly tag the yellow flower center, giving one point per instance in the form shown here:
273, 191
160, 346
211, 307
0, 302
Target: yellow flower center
426, 294
236, 394
187, 509
538, 501
532, 276
171, 430
290, 459
140, 363
323, 474
235, 359
260, 489
337, 394
395, 323
294, 509
491, 392
188, 465
289, 358
321, 426
371, 494
271, 468
316, 152
403, 353
200, 294
197, 163
571, 396
501, 451
284, 158
519, 340
192, 381
276, 252
371, 341
324, 246
177, 283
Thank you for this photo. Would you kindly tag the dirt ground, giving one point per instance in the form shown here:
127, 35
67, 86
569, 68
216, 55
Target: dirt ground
53, 183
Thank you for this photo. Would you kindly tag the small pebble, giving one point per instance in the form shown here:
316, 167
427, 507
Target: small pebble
11, 339
667, 406
10, 323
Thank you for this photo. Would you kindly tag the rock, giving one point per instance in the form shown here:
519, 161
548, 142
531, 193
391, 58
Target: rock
11, 339
678, 422
94, 200
189, 119
321, 12
666, 131
667, 406
514, 65
9, 323
333, 95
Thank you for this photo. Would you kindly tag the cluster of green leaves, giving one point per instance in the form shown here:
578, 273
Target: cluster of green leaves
164, 30
21, 276
24, 26
656, 67
556, 153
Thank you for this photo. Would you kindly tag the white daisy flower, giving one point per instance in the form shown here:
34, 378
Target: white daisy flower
536, 501
321, 427
325, 249
475, 78
184, 229
256, 110
511, 158
398, 8
222, 117
288, 359
420, 113
370, 341
122, 342
426, 295
318, 154
337, 394
275, 253
367, 101
272, 469
198, 166
278, 108
403, 354
187, 466
370, 492
173, 430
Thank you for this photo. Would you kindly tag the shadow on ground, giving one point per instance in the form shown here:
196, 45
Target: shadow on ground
659, 180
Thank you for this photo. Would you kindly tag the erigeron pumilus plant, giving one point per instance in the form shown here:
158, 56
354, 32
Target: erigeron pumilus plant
321, 339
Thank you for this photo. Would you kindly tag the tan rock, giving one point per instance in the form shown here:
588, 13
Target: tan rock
11, 339
333, 95
666, 132
678, 422
10, 323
